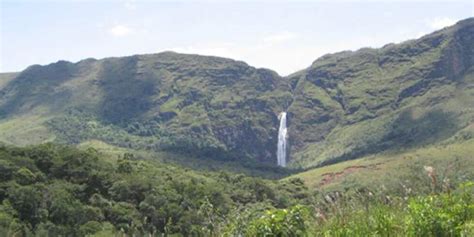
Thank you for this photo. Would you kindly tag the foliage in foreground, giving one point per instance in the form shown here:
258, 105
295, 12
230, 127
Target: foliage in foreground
442, 214
51, 190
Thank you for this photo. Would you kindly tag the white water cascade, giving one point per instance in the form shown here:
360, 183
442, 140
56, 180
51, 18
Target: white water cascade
282, 140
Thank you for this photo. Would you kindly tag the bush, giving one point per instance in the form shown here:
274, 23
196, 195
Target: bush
280, 222
24, 176
440, 215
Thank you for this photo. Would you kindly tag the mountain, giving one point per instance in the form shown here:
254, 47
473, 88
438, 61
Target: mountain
344, 106
164, 101
400, 96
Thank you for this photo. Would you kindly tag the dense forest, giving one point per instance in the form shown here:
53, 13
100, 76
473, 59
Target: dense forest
55, 190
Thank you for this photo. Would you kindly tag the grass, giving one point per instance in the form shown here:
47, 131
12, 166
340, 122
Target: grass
451, 160
374, 87
428, 119
112, 153
363, 213
25, 130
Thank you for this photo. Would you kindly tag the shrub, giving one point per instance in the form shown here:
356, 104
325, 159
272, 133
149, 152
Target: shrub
24, 176
440, 215
280, 222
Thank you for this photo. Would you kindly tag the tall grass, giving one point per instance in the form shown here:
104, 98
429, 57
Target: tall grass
367, 213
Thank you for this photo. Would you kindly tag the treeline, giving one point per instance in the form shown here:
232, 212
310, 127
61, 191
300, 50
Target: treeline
77, 126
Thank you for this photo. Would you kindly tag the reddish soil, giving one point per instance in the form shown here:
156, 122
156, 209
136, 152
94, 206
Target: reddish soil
333, 176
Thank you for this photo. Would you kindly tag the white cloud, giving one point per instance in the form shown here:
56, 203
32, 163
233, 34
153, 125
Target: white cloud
120, 30
440, 22
130, 5
279, 37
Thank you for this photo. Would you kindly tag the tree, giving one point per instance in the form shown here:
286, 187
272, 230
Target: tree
26, 200
24, 176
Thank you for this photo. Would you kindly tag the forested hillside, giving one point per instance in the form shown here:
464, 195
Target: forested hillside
52, 190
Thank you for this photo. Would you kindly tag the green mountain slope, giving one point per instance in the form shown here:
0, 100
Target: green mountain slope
167, 101
344, 106
400, 96
452, 162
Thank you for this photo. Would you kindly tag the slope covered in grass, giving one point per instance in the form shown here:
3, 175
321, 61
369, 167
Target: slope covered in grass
452, 162
405, 95
167, 101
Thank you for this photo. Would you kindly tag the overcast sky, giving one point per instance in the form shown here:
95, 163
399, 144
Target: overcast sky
285, 36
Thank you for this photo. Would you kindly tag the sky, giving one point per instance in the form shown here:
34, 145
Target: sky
285, 36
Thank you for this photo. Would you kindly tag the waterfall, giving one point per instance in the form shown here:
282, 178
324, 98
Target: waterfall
281, 150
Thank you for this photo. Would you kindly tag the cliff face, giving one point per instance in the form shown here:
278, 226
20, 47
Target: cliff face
344, 105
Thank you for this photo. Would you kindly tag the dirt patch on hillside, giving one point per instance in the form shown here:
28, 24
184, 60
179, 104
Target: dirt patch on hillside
333, 176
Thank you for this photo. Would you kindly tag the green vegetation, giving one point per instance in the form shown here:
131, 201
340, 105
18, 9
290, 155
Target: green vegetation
367, 214
58, 190
280, 222
52, 190
184, 145
451, 161
344, 106
352, 104
205, 106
